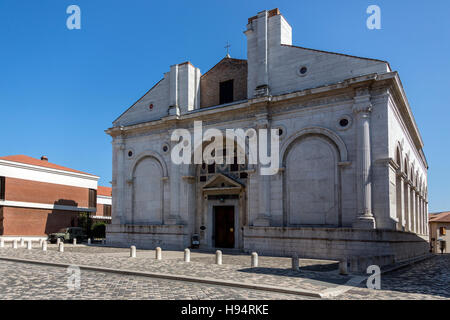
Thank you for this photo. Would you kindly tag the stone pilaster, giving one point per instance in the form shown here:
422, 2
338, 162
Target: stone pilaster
413, 209
264, 214
119, 181
407, 205
362, 108
175, 182
420, 213
400, 189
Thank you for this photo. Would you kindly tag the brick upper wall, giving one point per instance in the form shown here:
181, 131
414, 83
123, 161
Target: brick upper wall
48, 193
226, 69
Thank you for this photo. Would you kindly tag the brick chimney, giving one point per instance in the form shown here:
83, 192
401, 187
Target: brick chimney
44, 158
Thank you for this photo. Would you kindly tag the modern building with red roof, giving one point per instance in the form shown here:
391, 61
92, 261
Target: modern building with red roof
38, 197
440, 231
104, 202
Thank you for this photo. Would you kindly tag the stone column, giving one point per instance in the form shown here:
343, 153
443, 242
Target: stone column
175, 182
118, 181
402, 218
407, 206
264, 194
413, 209
362, 109
416, 204
422, 231
424, 217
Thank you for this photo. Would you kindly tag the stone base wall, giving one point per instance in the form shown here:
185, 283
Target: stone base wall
148, 236
359, 247
385, 246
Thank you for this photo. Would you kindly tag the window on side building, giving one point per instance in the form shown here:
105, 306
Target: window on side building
2, 188
107, 210
92, 198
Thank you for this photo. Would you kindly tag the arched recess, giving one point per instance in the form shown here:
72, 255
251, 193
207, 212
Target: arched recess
147, 189
312, 186
339, 143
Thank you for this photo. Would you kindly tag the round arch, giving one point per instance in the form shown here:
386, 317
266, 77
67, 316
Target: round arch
339, 143
151, 154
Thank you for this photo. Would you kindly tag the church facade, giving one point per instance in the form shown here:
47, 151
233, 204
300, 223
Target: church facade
352, 176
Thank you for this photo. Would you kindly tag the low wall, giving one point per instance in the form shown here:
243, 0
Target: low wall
25, 238
335, 243
148, 236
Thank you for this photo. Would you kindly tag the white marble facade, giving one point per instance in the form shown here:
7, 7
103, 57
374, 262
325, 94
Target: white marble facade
352, 178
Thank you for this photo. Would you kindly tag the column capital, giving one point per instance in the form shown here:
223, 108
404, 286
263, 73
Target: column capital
364, 108
361, 101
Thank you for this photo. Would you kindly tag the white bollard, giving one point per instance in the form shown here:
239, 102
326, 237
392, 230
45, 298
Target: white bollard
61, 247
343, 267
2, 243
58, 241
254, 260
74, 241
158, 253
132, 252
44, 245
187, 255
89, 241
218, 257
295, 262
29, 245
14, 244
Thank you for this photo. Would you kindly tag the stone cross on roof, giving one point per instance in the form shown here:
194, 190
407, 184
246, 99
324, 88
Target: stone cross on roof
228, 47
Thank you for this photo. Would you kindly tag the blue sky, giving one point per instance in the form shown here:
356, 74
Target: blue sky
60, 89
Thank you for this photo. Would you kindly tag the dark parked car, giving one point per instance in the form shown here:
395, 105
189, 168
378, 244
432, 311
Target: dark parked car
68, 234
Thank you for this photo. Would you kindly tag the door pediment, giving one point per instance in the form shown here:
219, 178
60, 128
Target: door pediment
221, 184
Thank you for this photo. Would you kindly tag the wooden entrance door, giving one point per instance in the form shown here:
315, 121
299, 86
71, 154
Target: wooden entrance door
224, 226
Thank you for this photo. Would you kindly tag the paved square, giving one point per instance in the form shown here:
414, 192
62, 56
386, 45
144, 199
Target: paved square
428, 279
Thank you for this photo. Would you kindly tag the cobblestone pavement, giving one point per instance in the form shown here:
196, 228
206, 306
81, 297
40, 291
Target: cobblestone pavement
428, 279
272, 271
29, 281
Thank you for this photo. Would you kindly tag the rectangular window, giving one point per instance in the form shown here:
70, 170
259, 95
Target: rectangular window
226, 92
92, 198
2, 188
107, 210
442, 231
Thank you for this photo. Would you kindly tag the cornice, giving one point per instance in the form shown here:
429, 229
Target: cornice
390, 79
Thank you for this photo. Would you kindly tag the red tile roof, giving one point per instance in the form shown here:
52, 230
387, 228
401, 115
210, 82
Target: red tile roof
37, 162
104, 191
440, 217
